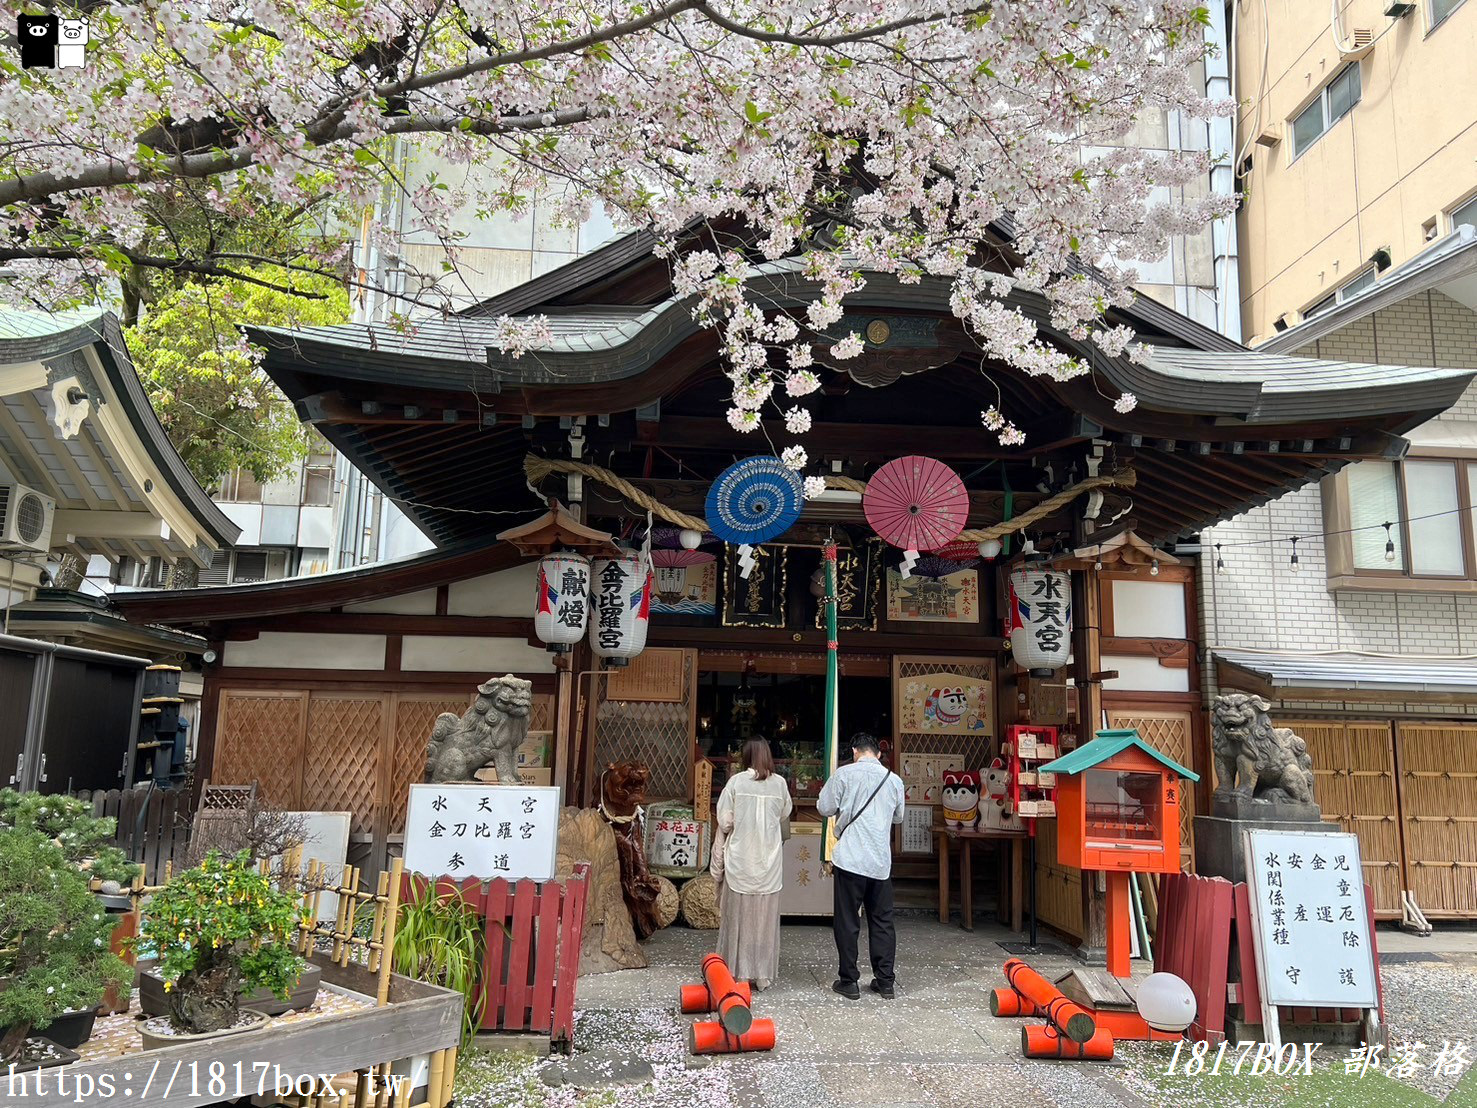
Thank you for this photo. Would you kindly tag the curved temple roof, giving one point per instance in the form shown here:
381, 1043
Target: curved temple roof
1218, 428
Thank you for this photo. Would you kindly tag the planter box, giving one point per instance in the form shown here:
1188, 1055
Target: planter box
63, 1057
419, 1019
153, 1000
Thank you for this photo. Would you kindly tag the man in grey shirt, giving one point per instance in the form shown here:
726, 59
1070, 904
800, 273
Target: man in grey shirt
868, 800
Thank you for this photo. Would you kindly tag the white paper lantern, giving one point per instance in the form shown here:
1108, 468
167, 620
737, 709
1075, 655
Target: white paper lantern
562, 606
689, 538
620, 607
1166, 1002
1040, 619
990, 549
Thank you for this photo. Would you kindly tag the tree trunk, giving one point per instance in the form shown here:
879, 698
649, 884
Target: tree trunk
208, 998
14, 1041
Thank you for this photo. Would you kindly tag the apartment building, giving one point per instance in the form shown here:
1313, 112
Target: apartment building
1352, 605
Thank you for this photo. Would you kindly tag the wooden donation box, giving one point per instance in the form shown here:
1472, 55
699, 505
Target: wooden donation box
1118, 810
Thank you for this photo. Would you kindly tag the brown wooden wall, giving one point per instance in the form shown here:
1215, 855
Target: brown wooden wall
354, 750
1408, 790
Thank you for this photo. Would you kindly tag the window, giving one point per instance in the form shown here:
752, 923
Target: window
1331, 105
1440, 9
1352, 287
1465, 212
1425, 500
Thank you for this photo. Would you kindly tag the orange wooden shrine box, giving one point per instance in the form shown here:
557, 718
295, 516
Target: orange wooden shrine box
1118, 805
1118, 810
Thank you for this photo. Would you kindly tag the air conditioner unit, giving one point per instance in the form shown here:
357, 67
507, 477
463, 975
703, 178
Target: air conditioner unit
1361, 42
25, 519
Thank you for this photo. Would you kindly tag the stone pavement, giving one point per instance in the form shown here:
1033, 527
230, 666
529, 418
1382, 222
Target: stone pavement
936, 1044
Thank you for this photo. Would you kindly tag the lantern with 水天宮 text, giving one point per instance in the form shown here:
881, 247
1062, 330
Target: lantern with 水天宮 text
561, 610
1040, 619
620, 607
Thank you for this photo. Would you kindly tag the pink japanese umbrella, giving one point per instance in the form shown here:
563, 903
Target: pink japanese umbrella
916, 503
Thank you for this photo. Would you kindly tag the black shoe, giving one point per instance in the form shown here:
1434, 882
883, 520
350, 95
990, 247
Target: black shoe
848, 989
884, 991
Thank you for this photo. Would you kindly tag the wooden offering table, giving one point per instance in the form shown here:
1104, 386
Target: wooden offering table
1012, 873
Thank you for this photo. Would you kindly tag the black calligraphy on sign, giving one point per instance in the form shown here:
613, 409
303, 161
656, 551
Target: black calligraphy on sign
505, 830
611, 606
456, 862
529, 802
439, 803
1048, 613
437, 830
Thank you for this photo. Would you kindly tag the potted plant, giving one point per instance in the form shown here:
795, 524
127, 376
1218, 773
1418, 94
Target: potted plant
54, 950
218, 930
85, 843
439, 940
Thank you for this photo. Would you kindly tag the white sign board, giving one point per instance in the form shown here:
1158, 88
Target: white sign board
483, 831
918, 829
326, 840
1310, 919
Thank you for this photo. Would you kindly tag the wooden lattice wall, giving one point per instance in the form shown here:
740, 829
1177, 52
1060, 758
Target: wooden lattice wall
1354, 784
974, 748
1437, 782
1172, 733
658, 732
354, 751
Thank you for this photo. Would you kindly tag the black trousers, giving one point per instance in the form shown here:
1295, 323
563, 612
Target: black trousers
852, 893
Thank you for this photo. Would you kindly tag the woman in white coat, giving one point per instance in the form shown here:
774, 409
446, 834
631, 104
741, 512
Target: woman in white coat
753, 823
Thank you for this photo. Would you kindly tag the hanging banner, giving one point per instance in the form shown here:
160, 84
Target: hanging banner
858, 583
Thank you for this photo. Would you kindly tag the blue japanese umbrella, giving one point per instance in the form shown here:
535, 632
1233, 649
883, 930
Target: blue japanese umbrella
752, 502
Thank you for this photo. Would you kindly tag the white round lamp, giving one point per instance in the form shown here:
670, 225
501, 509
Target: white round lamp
1166, 1002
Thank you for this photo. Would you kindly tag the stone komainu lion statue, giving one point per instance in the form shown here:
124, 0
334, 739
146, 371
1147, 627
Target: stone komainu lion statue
491, 730
1253, 759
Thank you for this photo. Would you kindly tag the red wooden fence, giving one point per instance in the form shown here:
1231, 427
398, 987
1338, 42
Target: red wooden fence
531, 962
1202, 921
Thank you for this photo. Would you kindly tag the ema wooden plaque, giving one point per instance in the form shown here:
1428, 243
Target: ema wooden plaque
702, 788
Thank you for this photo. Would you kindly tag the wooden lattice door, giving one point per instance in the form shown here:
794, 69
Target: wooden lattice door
1354, 784
1171, 733
1438, 803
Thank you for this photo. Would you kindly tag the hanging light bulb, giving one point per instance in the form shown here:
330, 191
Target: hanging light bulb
1389, 544
1154, 569
1098, 565
1294, 560
1220, 563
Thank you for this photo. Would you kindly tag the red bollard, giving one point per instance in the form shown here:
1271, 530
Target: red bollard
1048, 1042
707, 1037
1008, 1002
1073, 1021
733, 1006
699, 998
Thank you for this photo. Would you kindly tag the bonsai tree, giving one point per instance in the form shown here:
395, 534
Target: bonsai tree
53, 939
84, 839
218, 930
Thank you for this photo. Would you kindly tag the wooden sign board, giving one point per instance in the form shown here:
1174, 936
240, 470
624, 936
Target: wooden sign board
1310, 924
702, 789
482, 831
658, 674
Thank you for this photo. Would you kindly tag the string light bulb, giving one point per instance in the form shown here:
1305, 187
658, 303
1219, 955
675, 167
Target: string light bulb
1220, 563
1389, 544
1294, 560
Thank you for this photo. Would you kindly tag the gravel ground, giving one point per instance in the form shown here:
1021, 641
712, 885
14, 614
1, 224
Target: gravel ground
937, 1045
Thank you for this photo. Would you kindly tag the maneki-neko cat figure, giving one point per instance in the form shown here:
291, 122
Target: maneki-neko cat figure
961, 799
